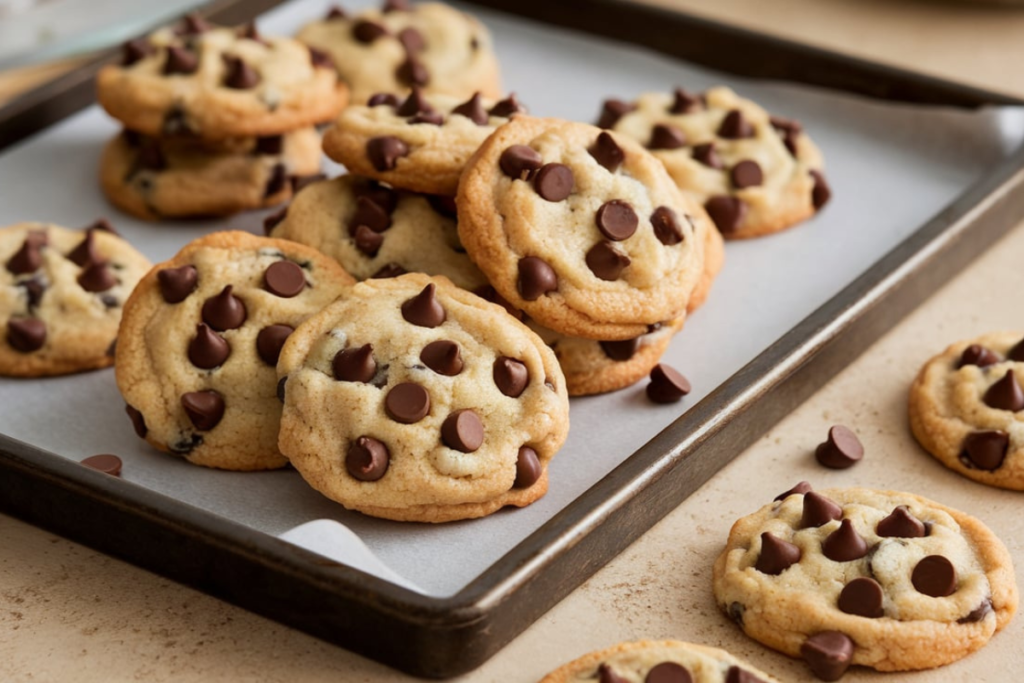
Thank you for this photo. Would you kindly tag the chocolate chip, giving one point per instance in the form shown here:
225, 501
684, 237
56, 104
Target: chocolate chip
1006, 394
320, 59
370, 214
177, 283
192, 24
103, 225
389, 270
985, 450
367, 241
666, 226
284, 279
270, 340
187, 444
821, 192
277, 182
383, 98
104, 462
612, 111
27, 259
385, 151
473, 109
536, 278
934, 576
777, 555
366, 31
862, 597
605, 674
978, 613
443, 357
270, 144
510, 376
396, 6
844, 544
109, 301
801, 488
841, 450
605, 261
528, 468
354, 364
726, 212
786, 125
664, 136
34, 290
621, 350
667, 384
207, 349
507, 107
412, 40
668, 672
616, 220
747, 173
204, 408
335, 12
976, 354
415, 103
249, 32
224, 311
432, 118
818, 510
520, 162
707, 155
96, 277
367, 459
138, 422
407, 403
463, 431
684, 102
1017, 352
424, 309
300, 182
900, 524
180, 61
553, 182
445, 206
606, 152
26, 334
738, 675
136, 50
412, 72
828, 654
85, 252
735, 126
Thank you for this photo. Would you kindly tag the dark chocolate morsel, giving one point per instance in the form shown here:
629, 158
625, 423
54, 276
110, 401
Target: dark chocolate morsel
224, 311
737, 675
507, 107
103, 225
605, 674
520, 162
821, 192
104, 462
412, 40
85, 252
863, 597
612, 111
367, 459
606, 152
269, 144
621, 350
707, 155
385, 151
985, 450
828, 654
299, 182
934, 576
281, 388
735, 126
554, 182
270, 340
354, 364
27, 259
177, 283
414, 104
818, 510
473, 109
424, 309
96, 277
204, 408
616, 220
208, 349
801, 488
389, 270
366, 31
683, 102
367, 241
785, 125
1017, 352
463, 431
844, 544
668, 672
136, 50
277, 181
510, 376
138, 422
528, 468
284, 279
1006, 394
433, 118
320, 59
977, 355
407, 403
443, 357
900, 524
664, 136
370, 214
192, 24
746, 173
978, 613
777, 555
383, 98
605, 261
180, 61
412, 72
841, 450
444, 206
666, 226
536, 278
726, 212
26, 334
667, 384
238, 75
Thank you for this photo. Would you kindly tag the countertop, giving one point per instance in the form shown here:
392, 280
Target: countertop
68, 613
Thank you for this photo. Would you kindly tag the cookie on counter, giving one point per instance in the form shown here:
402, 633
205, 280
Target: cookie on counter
200, 340
419, 142
375, 231
61, 296
430, 45
755, 173
882, 579
658, 661
413, 400
581, 229
217, 83
967, 409
153, 178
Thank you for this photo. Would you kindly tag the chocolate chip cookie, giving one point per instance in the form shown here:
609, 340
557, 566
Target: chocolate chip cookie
414, 400
967, 409
200, 340
419, 142
61, 296
755, 173
882, 579
580, 228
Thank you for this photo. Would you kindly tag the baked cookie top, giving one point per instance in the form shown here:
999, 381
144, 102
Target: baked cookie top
200, 339
152, 177
580, 228
896, 581
658, 661
430, 45
384, 232
419, 143
61, 296
967, 409
217, 83
755, 173
411, 399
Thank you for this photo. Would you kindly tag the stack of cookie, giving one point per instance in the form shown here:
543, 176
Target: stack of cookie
217, 120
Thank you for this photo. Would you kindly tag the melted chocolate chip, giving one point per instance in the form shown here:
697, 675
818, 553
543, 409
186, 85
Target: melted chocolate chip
828, 654
284, 279
862, 597
735, 126
208, 349
407, 403
412, 72
277, 182
177, 283
821, 192
367, 459
738, 675
204, 409
443, 357
463, 431
510, 376
978, 613
444, 206
666, 226
389, 270
270, 145
354, 364
507, 107
138, 422
536, 278
366, 31
777, 555
801, 488
520, 162
473, 109
606, 152
844, 544
900, 524
1006, 394
96, 277
726, 212
270, 340
135, 51
664, 136
612, 111
320, 59
424, 309
985, 450
432, 118
818, 510
977, 355
616, 220
707, 155
104, 462
605, 261
224, 311
383, 98
528, 468
412, 40
841, 450
26, 334
605, 674
668, 672
934, 576
238, 75
667, 384
180, 61
385, 151
683, 102
747, 173
621, 350
554, 182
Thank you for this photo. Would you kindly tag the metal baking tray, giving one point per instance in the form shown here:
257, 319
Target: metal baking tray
444, 636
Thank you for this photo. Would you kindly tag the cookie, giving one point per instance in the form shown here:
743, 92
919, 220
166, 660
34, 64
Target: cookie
218, 83
581, 229
375, 231
200, 339
430, 45
414, 400
882, 579
419, 143
658, 661
967, 409
61, 296
755, 174
152, 178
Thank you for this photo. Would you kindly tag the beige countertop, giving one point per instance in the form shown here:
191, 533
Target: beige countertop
68, 613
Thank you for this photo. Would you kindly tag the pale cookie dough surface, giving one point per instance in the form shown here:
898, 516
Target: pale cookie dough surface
288, 90
433, 142
633, 662
59, 307
914, 630
424, 476
453, 54
791, 187
401, 231
152, 178
950, 416
536, 252
160, 337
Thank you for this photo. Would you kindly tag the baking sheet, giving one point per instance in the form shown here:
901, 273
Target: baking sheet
891, 168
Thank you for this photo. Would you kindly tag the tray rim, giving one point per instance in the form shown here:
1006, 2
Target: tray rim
477, 621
